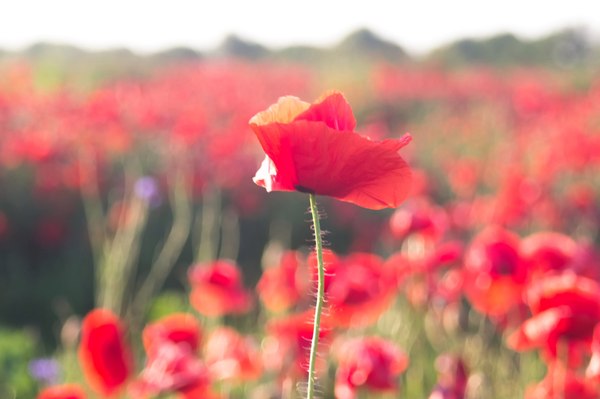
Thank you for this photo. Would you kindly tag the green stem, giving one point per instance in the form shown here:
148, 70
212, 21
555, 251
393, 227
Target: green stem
320, 297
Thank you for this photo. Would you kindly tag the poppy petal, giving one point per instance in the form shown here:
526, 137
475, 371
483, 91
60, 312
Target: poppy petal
267, 177
539, 329
312, 157
285, 110
331, 109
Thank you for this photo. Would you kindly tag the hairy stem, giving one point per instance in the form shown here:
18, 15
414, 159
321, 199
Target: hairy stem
320, 297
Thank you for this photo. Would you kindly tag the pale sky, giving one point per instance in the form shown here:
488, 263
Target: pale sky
152, 25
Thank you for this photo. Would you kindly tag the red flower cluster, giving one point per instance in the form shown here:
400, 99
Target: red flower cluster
532, 170
358, 288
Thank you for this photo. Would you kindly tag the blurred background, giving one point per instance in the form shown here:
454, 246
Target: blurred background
125, 154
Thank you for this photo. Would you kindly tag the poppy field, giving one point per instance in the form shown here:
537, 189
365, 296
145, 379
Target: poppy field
168, 234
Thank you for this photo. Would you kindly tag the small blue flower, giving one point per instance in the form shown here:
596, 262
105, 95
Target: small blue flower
147, 189
45, 370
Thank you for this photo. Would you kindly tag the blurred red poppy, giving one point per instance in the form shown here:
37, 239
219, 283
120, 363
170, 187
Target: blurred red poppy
548, 252
434, 276
176, 328
443, 271
281, 287
313, 148
561, 383
370, 363
419, 217
217, 289
66, 391
104, 355
565, 308
286, 348
51, 232
452, 378
581, 293
231, 356
172, 368
358, 288
495, 273
593, 369
586, 261
199, 392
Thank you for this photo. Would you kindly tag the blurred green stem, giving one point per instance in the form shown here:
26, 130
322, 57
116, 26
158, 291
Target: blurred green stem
120, 253
230, 235
320, 297
209, 224
171, 249
92, 205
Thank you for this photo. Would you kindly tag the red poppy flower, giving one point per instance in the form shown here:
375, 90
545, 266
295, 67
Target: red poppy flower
313, 148
66, 391
232, 356
217, 289
495, 273
370, 363
176, 328
104, 355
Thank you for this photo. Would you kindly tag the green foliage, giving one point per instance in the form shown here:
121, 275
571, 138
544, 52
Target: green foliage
564, 49
17, 349
168, 303
60, 64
